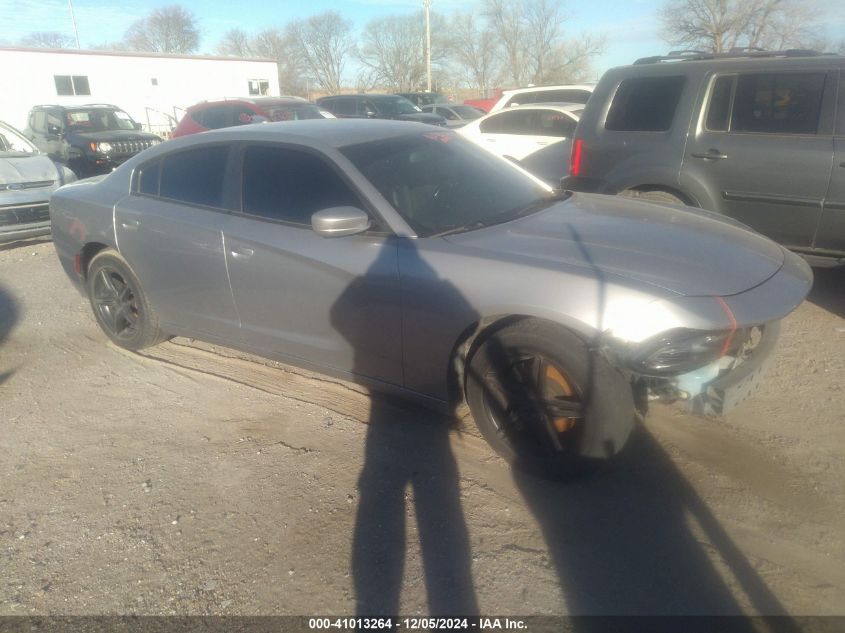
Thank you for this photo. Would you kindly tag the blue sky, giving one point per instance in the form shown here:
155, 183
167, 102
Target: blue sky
630, 26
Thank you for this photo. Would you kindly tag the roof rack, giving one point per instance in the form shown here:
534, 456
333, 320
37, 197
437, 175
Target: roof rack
734, 53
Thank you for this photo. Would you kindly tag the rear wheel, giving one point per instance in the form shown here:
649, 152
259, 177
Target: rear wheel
545, 401
652, 196
119, 304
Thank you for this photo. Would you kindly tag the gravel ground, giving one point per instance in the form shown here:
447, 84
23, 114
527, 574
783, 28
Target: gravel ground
195, 480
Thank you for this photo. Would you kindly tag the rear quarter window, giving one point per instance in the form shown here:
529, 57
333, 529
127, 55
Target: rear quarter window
645, 104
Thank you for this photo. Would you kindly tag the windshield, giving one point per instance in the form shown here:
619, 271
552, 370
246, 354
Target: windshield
440, 182
297, 112
467, 112
394, 106
98, 120
13, 143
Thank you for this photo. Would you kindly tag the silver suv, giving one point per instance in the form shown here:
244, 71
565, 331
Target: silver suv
759, 137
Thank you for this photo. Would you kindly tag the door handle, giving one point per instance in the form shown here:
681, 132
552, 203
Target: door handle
130, 225
713, 154
242, 253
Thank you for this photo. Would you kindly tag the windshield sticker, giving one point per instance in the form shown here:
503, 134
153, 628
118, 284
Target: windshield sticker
78, 117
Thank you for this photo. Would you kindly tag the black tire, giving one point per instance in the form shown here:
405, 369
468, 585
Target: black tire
652, 196
120, 306
521, 381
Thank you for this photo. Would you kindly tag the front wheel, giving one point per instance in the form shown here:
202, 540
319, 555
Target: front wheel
120, 306
545, 401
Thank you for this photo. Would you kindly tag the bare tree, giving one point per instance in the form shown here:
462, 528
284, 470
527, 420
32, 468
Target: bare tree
272, 43
47, 39
475, 52
169, 29
533, 46
720, 25
324, 43
392, 47
506, 19
235, 43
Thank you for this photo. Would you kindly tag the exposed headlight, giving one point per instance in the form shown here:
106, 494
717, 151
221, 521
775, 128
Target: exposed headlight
105, 148
680, 351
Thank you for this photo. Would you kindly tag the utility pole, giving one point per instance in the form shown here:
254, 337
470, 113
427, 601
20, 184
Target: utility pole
427, 6
73, 19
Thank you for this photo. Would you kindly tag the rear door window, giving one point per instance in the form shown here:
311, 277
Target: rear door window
645, 104
512, 122
289, 185
788, 103
195, 176
719, 108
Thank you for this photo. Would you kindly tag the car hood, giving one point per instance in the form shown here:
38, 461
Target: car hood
114, 135
680, 249
35, 168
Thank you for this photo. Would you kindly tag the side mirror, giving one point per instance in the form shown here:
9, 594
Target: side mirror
55, 130
340, 221
137, 125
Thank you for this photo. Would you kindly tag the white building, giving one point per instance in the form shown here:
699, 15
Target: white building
153, 88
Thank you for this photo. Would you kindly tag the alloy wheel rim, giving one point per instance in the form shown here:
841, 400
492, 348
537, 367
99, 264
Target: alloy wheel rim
535, 404
116, 303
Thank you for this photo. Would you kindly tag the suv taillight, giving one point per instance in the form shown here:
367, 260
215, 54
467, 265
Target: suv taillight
575, 158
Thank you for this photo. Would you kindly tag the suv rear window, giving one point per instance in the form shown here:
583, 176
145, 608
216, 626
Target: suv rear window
645, 104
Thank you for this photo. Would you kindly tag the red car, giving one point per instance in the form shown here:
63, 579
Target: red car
212, 115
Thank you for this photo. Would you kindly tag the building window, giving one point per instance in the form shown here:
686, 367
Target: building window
72, 85
259, 87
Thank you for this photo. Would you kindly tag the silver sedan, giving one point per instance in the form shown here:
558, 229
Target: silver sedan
407, 259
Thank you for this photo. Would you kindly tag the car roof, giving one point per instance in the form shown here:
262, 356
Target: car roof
81, 106
679, 64
335, 133
360, 95
256, 101
559, 106
513, 91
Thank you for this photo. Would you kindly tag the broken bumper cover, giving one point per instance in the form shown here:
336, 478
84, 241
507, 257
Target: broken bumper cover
716, 397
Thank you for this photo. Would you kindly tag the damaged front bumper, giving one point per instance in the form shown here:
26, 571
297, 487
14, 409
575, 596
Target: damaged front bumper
715, 389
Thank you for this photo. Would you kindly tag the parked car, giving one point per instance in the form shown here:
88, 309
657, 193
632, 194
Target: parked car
754, 136
485, 103
213, 115
455, 114
421, 99
576, 93
27, 178
90, 139
522, 132
406, 258
366, 106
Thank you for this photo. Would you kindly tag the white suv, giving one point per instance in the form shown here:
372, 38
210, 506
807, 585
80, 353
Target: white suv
575, 93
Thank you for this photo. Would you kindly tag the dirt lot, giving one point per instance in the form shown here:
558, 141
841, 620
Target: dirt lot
192, 480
